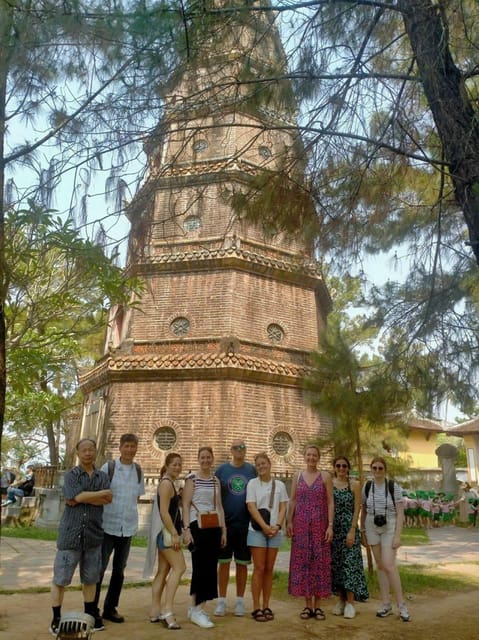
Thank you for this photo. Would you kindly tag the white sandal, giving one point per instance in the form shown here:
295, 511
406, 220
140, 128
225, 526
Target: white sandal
170, 625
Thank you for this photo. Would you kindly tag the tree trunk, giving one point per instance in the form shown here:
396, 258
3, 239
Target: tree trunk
50, 431
359, 453
6, 21
456, 121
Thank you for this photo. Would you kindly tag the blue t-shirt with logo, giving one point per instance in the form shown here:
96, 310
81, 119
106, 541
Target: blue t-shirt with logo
233, 492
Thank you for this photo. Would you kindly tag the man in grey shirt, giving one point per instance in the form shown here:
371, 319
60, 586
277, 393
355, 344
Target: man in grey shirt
80, 534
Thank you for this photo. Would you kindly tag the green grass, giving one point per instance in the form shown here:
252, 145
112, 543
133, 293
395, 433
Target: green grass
420, 579
33, 533
36, 533
285, 544
139, 541
414, 579
409, 536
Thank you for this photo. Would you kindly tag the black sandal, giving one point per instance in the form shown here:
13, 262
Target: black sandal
306, 613
318, 613
268, 614
259, 616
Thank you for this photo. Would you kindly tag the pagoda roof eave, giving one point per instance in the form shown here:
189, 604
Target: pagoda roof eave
192, 366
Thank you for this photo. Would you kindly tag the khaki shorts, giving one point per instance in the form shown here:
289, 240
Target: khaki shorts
380, 535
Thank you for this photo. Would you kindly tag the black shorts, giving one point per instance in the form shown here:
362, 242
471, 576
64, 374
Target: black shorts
235, 546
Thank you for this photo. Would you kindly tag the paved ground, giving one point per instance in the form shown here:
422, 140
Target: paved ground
25, 563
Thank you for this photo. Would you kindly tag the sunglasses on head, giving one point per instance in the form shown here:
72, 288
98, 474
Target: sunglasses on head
377, 468
238, 447
340, 465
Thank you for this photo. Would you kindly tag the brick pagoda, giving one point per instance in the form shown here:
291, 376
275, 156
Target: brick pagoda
230, 313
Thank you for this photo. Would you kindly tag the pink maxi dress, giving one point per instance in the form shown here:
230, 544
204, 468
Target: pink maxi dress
310, 561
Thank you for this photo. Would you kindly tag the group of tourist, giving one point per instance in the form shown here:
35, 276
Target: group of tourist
240, 511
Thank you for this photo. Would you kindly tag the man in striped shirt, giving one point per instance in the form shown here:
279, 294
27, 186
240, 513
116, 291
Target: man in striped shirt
80, 534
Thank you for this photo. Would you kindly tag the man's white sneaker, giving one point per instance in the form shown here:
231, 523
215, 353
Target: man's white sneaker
201, 619
338, 608
404, 613
220, 608
349, 611
239, 608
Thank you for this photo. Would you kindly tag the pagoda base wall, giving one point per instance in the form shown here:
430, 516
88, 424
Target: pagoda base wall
213, 413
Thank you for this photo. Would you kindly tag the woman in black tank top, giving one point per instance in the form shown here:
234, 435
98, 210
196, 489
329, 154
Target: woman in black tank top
171, 562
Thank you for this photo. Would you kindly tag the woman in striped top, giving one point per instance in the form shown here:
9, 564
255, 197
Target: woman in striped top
382, 518
202, 492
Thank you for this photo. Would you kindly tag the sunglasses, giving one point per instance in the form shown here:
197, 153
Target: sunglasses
239, 447
341, 466
377, 468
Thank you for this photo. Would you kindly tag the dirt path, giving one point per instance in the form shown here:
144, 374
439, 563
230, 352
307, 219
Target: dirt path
449, 616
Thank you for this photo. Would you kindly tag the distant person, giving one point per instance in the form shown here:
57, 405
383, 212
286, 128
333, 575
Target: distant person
471, 498
164, 543
202, 494
310, 526
469, 491
120, 521
22, 488
348, 580
382, 518
472, 510
267, 502
234, 476
7, 479
80, 533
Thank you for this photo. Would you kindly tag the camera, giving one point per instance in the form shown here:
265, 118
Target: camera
380, 520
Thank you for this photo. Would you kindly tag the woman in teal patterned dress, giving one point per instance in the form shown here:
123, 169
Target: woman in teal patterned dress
348, 579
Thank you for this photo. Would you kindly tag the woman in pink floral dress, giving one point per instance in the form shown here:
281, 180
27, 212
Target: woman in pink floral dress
310, 525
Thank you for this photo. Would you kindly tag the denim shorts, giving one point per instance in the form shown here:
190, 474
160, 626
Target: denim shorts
258, 539
66, 561
160, 542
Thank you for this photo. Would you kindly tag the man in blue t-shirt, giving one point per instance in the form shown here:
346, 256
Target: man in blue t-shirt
234, 476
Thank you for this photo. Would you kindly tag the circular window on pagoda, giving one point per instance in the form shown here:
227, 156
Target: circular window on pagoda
192, 223
275, 332
265, 152
165, 438
180, 326
282, 443
200, 145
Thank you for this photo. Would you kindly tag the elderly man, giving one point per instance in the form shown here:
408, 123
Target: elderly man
80, 534
234, 476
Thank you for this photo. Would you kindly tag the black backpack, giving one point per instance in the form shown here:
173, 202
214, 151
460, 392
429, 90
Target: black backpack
111, 470
367, 489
